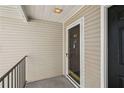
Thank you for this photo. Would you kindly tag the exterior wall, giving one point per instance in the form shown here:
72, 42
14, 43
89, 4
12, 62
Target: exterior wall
91, 16
41, 41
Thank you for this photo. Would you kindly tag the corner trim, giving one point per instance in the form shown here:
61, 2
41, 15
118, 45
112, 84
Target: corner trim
104, 46
21, 11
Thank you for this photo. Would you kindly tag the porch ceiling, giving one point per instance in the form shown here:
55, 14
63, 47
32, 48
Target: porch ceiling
45, 12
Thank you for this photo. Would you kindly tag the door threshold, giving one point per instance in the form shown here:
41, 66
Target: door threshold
72, 81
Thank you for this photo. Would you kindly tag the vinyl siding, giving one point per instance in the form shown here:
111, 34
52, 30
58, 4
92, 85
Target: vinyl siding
10, 11
40, 40
91, 16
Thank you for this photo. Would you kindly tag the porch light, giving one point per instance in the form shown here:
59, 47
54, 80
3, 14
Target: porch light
57, 10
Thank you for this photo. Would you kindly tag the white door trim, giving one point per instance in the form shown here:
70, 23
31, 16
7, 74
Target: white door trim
104, 46
82, 62
102, 39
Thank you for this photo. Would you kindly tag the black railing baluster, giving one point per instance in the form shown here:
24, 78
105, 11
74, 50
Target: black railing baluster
3, 83
17, 73
19, 76
24, 74
15, 77
12, 79
8, 81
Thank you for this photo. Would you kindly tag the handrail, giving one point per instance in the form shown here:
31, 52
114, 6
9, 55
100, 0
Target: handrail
11, 70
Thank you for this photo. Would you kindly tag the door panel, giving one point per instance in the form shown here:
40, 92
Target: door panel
116, 47
74, 53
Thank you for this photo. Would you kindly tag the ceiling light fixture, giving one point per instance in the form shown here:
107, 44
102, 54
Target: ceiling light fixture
58, 10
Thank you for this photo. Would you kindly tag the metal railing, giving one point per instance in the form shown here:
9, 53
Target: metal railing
16, 76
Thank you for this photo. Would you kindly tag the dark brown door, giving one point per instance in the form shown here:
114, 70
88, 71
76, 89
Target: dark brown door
74, 53
116, 47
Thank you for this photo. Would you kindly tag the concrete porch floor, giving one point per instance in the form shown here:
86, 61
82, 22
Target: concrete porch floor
55, 82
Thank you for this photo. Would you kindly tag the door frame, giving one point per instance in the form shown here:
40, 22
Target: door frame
82, 62
104, 46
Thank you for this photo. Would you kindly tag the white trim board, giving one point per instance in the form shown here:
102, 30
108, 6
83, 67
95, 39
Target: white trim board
22, 13
63, 34
82, 64
104, 46
72, 81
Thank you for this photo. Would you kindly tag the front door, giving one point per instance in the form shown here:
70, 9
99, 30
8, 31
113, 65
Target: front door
74, 53
116, 47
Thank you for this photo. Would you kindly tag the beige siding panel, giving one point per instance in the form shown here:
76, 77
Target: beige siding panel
91, 16
10, 11
40, 40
